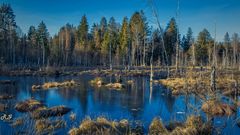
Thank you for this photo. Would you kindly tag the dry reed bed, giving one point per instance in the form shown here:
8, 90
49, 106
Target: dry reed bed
194, 125
49, 85
199, 82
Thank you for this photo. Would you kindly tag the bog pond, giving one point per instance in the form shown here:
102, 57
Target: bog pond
138, 102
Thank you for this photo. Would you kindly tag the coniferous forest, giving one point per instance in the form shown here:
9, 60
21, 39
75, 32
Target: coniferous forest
108, 42
132, 77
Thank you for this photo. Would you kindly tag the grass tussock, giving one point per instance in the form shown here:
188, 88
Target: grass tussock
101, 126
38, 110
214, 107
193, 126
49, 85
50, 112
98, 81
117, 86
47, 127
29, 105
157, 127
177, 85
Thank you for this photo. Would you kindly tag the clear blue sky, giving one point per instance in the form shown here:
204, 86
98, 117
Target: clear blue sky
197, 14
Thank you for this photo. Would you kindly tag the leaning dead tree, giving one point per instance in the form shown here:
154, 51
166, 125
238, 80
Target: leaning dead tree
155, 14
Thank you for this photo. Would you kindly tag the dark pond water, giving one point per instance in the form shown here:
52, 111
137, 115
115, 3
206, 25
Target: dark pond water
139, 103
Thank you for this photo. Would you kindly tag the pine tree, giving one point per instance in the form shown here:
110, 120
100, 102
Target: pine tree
96, 36
7, 33
189, 38
32, 41
170, 39
82, 35
103, 27
105, 48
124, 39
43, 41
113, 35
137, 33
82, 31
96, 43
203, 46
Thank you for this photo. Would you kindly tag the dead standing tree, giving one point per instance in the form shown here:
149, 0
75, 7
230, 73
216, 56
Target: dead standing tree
213, 71
177, 42
155, 14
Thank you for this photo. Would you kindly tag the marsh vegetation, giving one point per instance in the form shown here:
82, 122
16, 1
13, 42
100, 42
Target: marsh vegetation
119, 78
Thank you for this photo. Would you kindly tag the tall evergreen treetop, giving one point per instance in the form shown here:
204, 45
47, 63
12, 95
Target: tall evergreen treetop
170, 37
124, 36
7, 17
43, 34
82, 31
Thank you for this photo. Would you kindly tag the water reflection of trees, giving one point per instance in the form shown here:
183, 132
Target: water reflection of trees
131, 98
80, 93
167, 99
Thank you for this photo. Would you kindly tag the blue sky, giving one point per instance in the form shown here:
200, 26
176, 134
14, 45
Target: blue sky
197, 14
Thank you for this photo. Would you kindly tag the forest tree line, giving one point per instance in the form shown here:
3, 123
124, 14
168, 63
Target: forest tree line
108, 43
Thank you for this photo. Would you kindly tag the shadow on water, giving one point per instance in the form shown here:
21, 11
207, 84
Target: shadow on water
140, 101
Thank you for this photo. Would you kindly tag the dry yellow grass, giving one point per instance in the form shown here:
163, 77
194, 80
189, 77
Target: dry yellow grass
101, 126
46, 126
214, 107
117, 86
157, 127
193, 126
199, 82
29, 105
98, 81
49, 85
